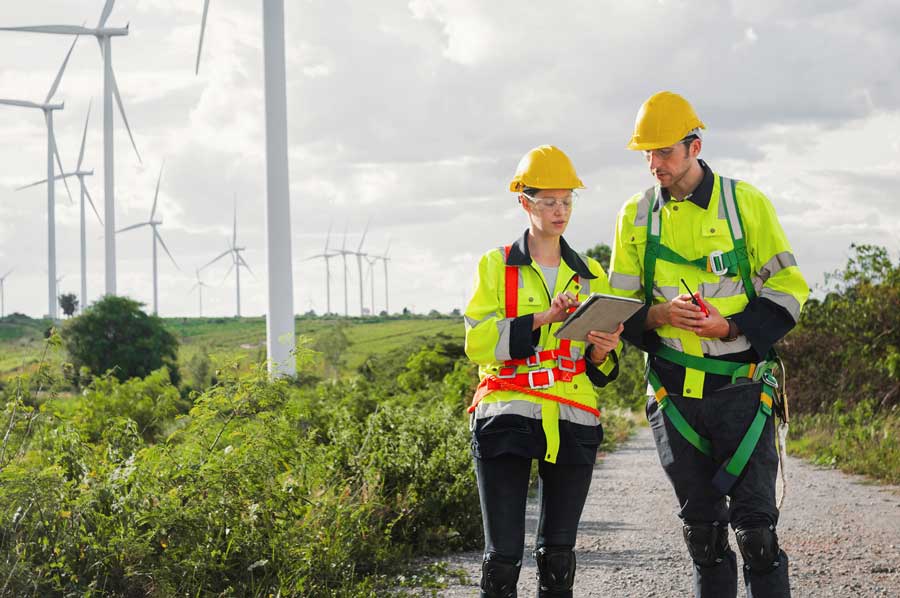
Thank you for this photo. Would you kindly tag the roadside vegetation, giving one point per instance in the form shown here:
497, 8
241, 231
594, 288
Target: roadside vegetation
228, 484
843, 363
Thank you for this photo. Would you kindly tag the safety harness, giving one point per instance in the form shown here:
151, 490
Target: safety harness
532, 381
731, 263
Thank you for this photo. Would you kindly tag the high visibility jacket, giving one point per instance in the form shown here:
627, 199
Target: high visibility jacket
493, 340
696, 233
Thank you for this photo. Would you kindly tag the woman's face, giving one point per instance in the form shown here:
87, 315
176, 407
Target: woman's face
549, 211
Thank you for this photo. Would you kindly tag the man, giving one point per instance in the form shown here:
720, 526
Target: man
710, 357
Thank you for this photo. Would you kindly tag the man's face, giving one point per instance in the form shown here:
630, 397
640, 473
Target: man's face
669, 164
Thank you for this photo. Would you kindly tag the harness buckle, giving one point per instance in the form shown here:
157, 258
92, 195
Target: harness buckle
769, 380
533, 360
717, 263
550, 379
566, 364
507, 372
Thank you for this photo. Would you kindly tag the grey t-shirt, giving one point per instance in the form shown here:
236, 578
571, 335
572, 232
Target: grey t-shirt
550, 274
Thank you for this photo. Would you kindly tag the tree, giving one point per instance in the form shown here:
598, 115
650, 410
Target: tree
115, 334
602, 253
69, 303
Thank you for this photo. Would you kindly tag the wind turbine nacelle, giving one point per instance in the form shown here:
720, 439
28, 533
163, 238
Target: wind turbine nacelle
112, 31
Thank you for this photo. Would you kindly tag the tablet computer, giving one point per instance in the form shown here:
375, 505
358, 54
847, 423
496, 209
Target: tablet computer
598, 312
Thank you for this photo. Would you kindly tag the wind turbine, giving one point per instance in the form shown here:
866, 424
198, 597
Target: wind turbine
110, 89
199, 286
359, 257
343, 251
154, 224
327, 255
236, 263
3, 293
384, 258
80, 173
280, 327
52, 152
370, 273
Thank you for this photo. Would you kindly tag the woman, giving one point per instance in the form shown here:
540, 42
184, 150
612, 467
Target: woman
536, 399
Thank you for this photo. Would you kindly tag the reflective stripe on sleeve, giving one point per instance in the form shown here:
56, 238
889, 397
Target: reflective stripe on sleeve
472, 322
779, 262
624, 282
785, 300
501, 350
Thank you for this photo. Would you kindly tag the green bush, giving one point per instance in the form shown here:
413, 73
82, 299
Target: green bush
115, 335
261, 488
842, 365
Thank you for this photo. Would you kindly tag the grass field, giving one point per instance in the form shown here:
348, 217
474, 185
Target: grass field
232, 339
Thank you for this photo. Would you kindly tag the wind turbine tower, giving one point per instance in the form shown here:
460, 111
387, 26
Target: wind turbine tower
80, 173
52, 152
104, 36
280, 327
237, 261
199, 286
327, 255
154, 224
3, 293
359, 257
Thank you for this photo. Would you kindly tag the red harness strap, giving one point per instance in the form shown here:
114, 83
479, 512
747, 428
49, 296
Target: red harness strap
512, 287
493, 383
566, 369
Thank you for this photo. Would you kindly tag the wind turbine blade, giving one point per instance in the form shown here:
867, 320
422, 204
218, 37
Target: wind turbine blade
7, 274
365, 230
202, 33
41, 182
246, 265
168, 253
344, 244
91, 201
132, 227
59, 29
107, 9
388, 248
84, 137
115, 87
191, 290
59, 75
61, 169
224, 278
156, 195
216, 259
22, 103
328, 235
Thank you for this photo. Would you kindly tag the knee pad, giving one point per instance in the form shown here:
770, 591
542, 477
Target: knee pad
556, 568
707, 542
499, 576
759, 547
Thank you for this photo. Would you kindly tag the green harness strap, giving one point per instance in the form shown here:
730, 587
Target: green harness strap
732, 262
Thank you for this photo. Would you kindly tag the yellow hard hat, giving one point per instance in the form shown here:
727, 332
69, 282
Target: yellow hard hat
545, 167
663, 120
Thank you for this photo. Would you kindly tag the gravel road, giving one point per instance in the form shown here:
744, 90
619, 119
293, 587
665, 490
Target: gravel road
841, 533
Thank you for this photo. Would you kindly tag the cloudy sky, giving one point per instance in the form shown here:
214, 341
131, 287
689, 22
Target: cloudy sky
412, 115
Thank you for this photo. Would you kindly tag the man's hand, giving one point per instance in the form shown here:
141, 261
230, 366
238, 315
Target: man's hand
603, 343
680, 312
559, 310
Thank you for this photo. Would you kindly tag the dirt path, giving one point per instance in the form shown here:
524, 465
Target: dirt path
841, 533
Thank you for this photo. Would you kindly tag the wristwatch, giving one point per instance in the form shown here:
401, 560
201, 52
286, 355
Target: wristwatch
733, 331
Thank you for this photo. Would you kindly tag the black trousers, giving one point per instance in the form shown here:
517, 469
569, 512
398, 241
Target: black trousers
723, 417
503, 491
